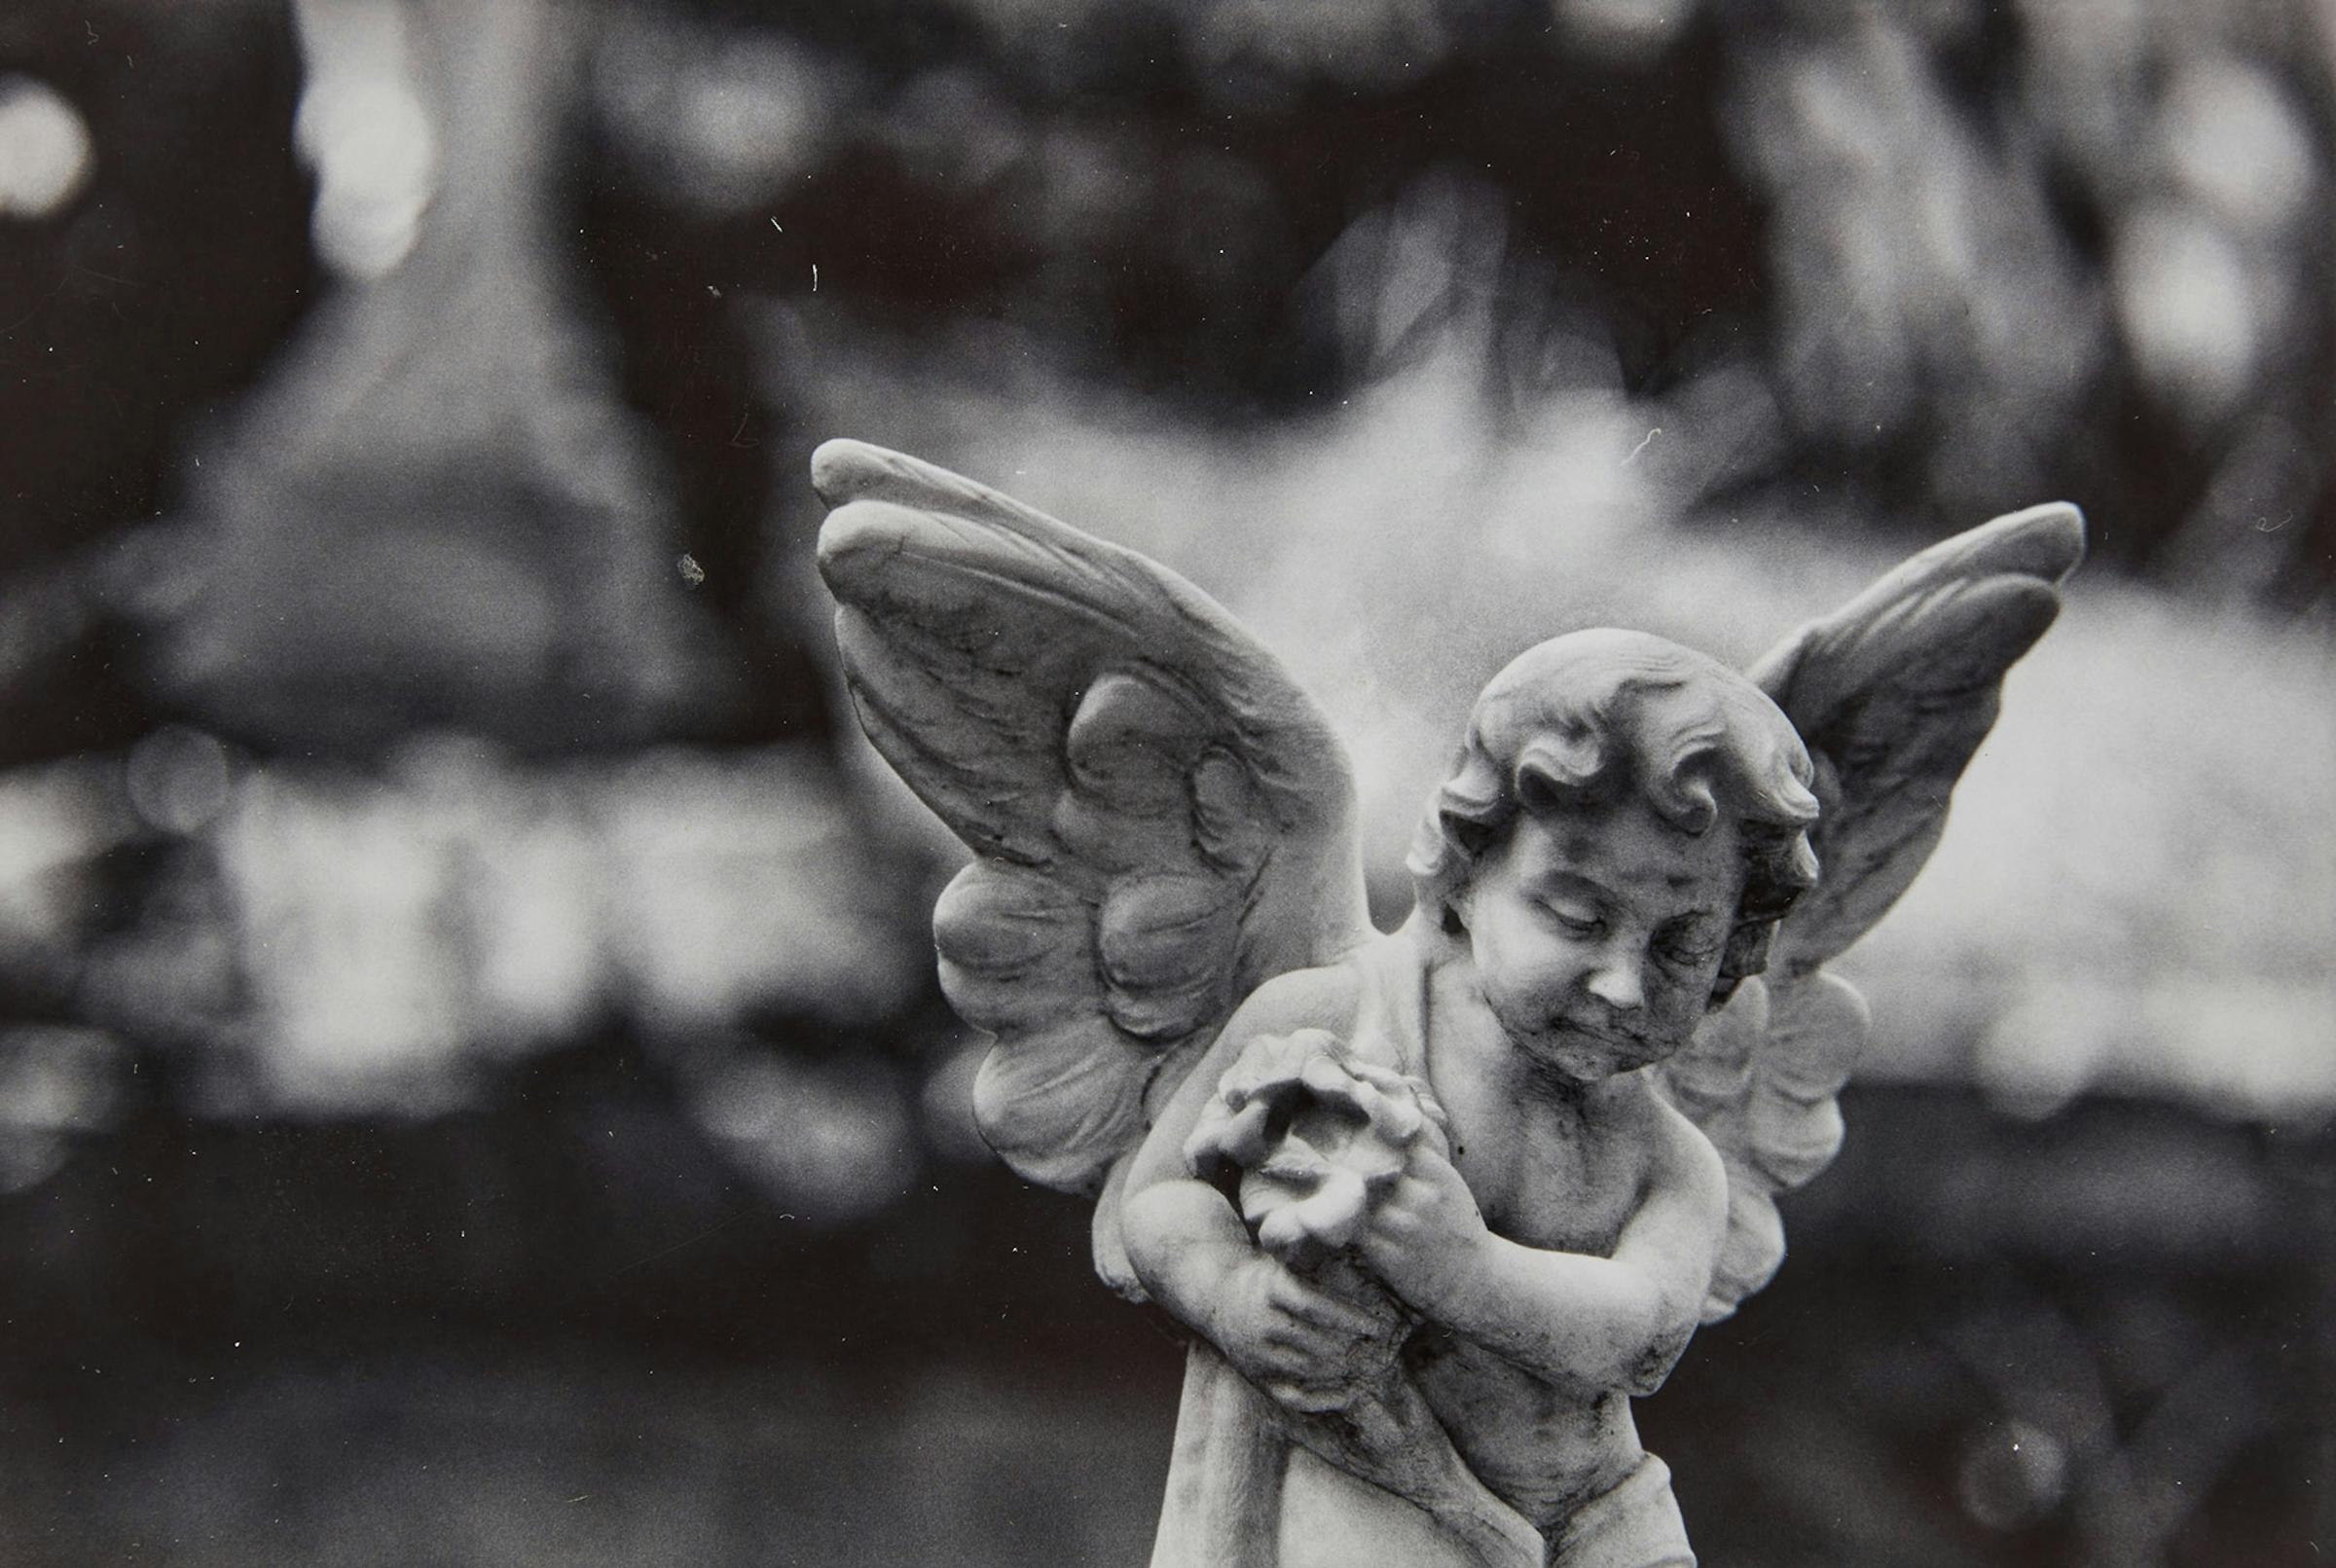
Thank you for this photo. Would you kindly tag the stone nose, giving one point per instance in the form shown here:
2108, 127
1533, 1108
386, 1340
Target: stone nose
1616, 982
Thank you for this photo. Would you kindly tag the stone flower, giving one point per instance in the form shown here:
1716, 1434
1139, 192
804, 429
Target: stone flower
1303, 1134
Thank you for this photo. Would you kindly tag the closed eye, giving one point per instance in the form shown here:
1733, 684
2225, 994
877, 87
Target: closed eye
1685, 946
1578, 918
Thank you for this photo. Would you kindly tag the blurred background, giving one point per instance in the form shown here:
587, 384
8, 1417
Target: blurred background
472, 1087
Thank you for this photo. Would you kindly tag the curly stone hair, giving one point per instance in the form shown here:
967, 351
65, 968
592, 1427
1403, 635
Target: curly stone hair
1583, 720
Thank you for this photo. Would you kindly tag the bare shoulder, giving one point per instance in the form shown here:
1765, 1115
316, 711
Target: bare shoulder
1302, 999
1323, 998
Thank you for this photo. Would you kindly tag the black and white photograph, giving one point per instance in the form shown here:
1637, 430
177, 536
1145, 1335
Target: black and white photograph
1211, 783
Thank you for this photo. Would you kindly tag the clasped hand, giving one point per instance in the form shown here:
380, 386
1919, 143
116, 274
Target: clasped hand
1307, 1348
1424, 1237
1312, 1350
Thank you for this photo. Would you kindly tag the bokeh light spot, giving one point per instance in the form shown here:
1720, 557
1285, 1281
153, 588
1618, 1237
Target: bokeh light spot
2013, 1476
45, 154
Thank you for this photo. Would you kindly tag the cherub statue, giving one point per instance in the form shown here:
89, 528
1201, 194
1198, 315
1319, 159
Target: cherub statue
1434, 1203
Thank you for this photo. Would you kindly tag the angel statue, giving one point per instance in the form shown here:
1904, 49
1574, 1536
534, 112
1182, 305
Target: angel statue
1434, 1203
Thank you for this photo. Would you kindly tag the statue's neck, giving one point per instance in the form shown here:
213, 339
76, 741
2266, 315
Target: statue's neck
1463, 1028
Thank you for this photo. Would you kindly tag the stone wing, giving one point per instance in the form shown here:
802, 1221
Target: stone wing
1892, 693
1160, 818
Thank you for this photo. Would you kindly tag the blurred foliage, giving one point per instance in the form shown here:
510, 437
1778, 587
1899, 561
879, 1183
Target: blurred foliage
443, 907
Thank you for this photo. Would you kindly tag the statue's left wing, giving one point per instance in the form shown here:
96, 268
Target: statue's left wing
1161, 820
1892, 693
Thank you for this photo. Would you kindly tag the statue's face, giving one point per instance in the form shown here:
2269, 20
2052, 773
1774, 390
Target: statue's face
1598, 935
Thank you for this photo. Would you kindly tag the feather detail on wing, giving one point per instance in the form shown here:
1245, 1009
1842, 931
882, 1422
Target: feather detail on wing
1161, 820
1892, 693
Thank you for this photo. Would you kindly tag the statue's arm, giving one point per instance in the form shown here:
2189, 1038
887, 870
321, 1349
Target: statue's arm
1589, 1324
1183, 1237
1191, 1249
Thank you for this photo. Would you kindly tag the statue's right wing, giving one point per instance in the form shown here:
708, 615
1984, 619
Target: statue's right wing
1893, 693
1161, 820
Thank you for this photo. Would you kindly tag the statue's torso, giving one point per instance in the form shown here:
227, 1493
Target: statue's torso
1546, 1175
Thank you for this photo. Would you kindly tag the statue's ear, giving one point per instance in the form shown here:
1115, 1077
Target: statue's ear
1745, 955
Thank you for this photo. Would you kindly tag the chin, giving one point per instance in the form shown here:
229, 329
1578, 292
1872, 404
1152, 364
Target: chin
1567, 1053
1580, 1054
